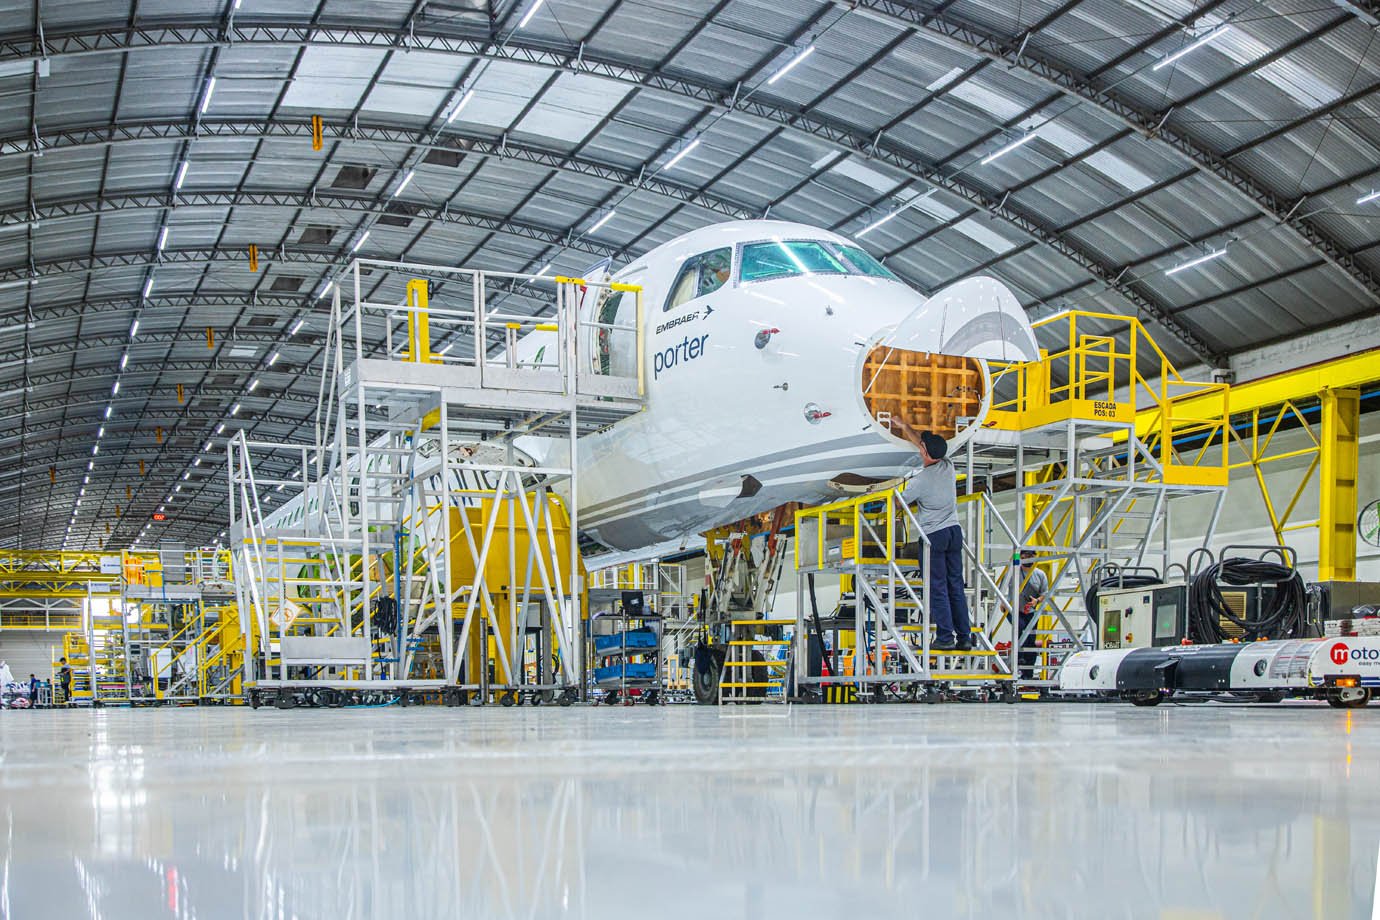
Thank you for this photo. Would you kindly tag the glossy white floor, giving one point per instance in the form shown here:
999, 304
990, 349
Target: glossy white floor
839, 812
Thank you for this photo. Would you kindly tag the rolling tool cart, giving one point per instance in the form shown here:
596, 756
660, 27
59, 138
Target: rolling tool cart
625, 646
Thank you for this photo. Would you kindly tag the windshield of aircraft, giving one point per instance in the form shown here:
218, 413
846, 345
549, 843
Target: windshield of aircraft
784, 258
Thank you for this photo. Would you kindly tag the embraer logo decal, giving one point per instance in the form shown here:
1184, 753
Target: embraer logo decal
682, 320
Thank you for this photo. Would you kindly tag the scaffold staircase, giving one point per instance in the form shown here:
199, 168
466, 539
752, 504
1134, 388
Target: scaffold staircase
439, 552
1099, 438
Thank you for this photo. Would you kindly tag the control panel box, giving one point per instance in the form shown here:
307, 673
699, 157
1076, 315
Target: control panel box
1144, 617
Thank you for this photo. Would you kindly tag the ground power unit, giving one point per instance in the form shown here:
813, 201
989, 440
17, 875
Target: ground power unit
1343, 671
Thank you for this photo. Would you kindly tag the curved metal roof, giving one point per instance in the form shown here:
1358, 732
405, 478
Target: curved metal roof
1138, 135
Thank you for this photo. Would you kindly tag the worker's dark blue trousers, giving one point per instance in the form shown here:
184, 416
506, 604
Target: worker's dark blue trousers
948, 605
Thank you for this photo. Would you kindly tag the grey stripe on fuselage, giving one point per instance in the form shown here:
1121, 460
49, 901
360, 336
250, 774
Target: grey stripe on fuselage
665, 499
698, 479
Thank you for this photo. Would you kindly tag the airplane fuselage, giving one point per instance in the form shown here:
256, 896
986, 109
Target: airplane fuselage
758, 386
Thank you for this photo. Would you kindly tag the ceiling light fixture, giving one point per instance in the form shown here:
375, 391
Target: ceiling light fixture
235, 410
531, 11
134, 328
124, 360
1367, 199
207, 448
220, 429
253, 384
1182, 266
1003, 151
162, 239
297, 327
114, 390
601, 221
360, 242
684, 152
1192, 46
181, 175
274, 360
879, 221
911, 202
148, 287
403, 184
790, 65
544, 269
206, 100
108, 410
464, 101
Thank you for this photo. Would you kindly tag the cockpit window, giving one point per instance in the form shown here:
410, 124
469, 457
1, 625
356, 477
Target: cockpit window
778, 259
700, 275
864, 262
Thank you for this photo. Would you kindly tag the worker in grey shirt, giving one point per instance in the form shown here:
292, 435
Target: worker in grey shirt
935, 489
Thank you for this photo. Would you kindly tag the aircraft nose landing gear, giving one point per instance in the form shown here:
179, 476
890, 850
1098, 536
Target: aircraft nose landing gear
709, 663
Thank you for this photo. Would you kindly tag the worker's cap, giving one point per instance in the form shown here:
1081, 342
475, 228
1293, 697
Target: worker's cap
935, 446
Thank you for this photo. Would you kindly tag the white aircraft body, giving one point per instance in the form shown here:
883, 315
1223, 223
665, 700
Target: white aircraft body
767, 350
757, 338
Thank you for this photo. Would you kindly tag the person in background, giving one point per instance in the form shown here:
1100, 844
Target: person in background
935, 487
1034, 585
64, 680
33, 690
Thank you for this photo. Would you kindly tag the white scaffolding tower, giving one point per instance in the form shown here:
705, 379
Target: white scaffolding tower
431, 543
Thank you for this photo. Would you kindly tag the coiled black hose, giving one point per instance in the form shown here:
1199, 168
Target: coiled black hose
1283, 616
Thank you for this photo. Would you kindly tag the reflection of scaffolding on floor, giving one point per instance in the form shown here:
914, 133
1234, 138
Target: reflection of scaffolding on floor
1095, 467
491, 847
428, 544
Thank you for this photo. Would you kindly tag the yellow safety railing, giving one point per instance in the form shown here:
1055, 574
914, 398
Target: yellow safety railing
851, 515
1111, 370
41, 621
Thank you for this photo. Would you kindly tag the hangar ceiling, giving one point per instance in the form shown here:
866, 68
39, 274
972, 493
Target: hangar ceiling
1079, 151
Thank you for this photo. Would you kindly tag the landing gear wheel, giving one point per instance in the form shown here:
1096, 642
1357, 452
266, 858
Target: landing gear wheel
1349, 698
508, 699
706, 682
1009, 693
253, 699
567, 697
284, 700
1145, 697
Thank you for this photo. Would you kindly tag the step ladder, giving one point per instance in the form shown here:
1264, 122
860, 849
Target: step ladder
751, 672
